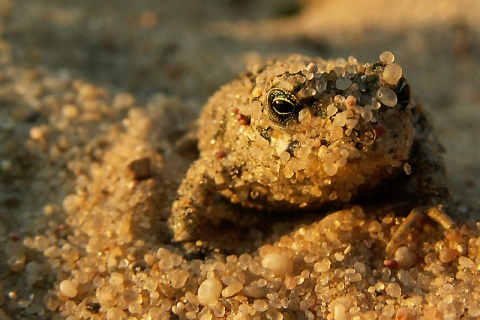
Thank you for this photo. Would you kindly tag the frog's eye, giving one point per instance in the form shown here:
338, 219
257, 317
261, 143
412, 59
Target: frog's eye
282, 106
403, 92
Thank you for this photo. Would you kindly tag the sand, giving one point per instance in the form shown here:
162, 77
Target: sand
89, 91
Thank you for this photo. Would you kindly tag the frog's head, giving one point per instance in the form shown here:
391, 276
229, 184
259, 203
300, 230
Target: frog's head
332, 120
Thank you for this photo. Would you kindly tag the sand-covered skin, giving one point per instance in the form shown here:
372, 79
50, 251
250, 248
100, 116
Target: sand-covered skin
302, 133
83, 222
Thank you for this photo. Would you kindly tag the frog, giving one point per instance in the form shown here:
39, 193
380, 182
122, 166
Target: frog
300, 133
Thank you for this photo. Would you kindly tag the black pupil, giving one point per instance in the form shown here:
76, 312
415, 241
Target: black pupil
283, 107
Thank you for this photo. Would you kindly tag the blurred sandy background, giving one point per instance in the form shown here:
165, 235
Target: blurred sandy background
187, 49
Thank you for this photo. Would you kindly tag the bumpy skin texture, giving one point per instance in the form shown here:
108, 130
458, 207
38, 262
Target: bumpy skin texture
304, 132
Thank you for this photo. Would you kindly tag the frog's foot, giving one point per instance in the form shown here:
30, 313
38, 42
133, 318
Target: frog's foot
435, 213
183, 221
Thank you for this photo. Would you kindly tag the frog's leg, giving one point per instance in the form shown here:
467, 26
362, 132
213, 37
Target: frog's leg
436, 213
428, 169
189, 208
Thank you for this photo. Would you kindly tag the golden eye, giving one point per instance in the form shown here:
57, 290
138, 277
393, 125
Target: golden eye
282, 106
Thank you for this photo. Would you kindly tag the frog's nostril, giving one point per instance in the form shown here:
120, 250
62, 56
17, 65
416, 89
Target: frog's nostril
292, 146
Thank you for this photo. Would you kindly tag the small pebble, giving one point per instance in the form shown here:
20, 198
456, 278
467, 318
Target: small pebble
393, 289
392, 73
278, 263
68, 289
447, 255
257, 92
260, 305
140, 168
179, 277
387, 96
343, 83
390, 263
209, 291
312, 67
465, 262
387, 57
405, 257
38, 133
353, 277
232, 289
116, 279
16, 263
115, 314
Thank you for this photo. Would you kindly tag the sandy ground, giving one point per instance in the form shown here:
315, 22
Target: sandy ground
86, 88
